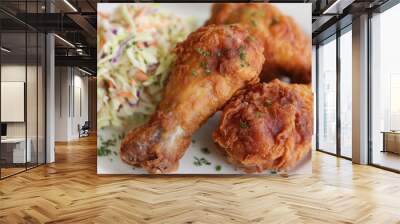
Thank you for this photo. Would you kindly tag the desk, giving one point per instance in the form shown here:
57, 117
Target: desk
391, 141
13, 150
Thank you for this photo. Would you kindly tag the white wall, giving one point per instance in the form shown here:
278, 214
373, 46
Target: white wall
70, 83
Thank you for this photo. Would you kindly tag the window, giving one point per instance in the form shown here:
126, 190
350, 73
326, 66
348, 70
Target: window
327, 96
346, 93
385, 89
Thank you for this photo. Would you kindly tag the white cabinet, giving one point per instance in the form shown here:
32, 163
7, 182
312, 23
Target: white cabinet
18, 149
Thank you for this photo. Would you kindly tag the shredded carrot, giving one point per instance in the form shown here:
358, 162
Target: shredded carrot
125, 94
102, 42
141, 76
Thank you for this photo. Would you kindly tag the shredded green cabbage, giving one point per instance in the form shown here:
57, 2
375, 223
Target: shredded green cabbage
133, 62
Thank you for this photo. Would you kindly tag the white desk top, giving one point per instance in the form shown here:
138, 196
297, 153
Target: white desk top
13, 140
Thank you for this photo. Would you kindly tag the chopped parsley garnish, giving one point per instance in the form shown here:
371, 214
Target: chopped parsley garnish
258, 114
253, 22
242, 53
203, 52
194, 73
206, 162
242, 56
197, 161
104, 150
201, 161
204, 65
205, 150
218, 167
243, 124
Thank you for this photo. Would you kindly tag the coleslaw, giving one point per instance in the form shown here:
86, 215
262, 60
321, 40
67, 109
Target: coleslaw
133, 61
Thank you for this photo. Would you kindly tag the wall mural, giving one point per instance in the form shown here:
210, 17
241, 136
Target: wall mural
204, 88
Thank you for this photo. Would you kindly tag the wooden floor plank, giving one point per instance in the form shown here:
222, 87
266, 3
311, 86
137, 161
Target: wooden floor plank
70, 191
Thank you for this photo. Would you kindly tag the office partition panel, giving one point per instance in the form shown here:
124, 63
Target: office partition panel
15, 149
22, 90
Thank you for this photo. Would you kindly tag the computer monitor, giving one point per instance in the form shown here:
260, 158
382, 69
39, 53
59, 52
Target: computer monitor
3, 129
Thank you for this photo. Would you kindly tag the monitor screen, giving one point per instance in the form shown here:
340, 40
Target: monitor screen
3, 129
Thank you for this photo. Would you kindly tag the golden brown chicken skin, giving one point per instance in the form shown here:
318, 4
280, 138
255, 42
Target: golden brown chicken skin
212, 64
287, 49
267, 126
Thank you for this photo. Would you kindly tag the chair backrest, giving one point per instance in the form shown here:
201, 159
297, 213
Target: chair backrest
86, 124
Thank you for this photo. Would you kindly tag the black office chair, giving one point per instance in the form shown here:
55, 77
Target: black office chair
84, 130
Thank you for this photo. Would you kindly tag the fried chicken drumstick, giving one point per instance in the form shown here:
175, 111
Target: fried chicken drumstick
287, 49
212, 64
267, 126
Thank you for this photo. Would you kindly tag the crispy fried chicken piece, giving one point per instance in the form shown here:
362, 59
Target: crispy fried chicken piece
267, 126
212, 64
287, 49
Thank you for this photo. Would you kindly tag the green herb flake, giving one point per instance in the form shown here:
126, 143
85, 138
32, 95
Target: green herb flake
205, 150
200, 162
203, 52
197, 161
243, 124
253, 22
218, 167
205, 162
268, 103
104, 150
258, 114
204, 65
194, 73
242, 53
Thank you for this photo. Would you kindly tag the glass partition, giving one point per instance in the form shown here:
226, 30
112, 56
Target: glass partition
346, 93
385, 90
14, 151
327, 96
22, 98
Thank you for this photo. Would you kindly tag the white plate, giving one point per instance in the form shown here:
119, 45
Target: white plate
112, 164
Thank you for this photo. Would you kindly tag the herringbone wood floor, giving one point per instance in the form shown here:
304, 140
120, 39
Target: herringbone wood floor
70, 191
